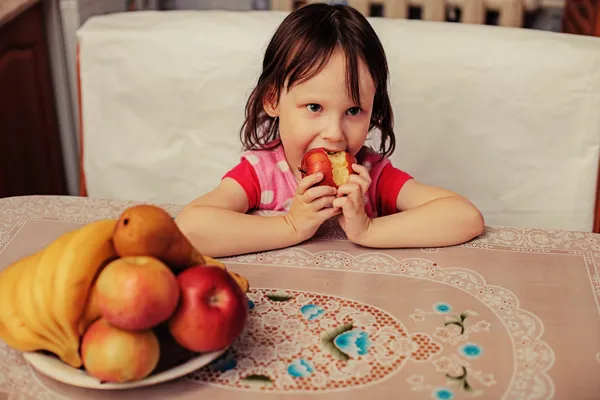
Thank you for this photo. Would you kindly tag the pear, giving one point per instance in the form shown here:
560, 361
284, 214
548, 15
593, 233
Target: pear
147, 230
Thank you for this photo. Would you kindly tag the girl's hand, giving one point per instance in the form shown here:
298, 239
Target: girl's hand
311, 206
350, 199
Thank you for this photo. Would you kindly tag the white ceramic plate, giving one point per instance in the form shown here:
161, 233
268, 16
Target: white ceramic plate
58, 370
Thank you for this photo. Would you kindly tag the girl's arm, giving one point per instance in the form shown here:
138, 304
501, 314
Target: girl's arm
217, 223
428, 217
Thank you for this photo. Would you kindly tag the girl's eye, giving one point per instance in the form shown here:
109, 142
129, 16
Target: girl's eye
314, 107
354, 111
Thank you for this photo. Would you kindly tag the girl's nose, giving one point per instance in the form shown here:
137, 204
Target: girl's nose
333, 132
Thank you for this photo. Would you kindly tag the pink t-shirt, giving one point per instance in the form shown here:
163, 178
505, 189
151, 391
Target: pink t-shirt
269, 183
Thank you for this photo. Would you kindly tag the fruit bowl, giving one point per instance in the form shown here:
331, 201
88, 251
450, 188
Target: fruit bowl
119, 304
56, 369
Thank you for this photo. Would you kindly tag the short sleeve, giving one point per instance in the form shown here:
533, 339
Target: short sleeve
389, 184
244, 174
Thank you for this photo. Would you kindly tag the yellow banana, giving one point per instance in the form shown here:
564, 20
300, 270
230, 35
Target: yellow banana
91, 312
12, 328
43, 296
212, 261
83, 257
8, 276
43, 290
25, 288
241, 281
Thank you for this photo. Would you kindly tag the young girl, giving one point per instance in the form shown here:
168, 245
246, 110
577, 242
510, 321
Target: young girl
323, 84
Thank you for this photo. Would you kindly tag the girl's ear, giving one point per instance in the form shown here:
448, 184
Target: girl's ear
270, 104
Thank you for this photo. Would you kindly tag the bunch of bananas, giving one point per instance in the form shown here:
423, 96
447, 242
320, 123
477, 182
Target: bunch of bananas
47, 299
44, 296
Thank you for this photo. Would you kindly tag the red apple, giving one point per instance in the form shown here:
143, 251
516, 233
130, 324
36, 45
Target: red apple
212, 312
137, 293
336, 166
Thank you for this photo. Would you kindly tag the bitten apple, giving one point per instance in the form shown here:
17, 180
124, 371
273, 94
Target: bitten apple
137, 293
111, 354
212, 312
335, 166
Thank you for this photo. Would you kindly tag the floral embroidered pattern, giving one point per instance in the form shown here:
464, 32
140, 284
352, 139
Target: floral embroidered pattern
458, 379
456, 367
596, 285
537, 240
353, 343
448, 335
224, 363
443, 394
459, 320
328, 339
301, 368
312, 312
257, 381
301, 341
279, 296
524, 327
442, 308
471, 350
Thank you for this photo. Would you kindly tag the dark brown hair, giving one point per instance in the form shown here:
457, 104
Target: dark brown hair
300, 48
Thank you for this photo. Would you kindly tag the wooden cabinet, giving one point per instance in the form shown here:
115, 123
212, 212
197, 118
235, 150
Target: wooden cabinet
30, 149
582, 17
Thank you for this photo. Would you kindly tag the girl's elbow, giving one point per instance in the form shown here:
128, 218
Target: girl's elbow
471, 220
474, 222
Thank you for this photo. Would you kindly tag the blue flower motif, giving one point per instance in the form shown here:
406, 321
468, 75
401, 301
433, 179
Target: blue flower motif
471, 350
442, 308
225, 362
250, 304
443, 394
301, 368
312, 312
353, 343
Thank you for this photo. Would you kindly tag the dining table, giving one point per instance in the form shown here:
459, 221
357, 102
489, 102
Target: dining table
511, 314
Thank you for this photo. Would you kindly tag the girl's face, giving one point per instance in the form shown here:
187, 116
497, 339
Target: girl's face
320, 113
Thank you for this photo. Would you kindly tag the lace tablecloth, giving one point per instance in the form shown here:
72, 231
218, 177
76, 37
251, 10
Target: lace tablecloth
513, 314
